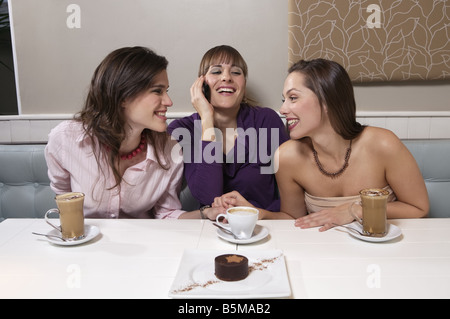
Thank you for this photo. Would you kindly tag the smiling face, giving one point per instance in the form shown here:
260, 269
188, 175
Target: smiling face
225, 72
148, 109
300, 106
227, 83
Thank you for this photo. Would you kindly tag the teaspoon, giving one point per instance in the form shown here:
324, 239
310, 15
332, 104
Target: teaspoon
46, 235
352, 229
225, 230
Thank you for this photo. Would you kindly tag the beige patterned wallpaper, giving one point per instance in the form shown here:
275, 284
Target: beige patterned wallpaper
375, 40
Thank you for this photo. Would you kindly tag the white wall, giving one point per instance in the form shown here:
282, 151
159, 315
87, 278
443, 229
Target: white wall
54, 62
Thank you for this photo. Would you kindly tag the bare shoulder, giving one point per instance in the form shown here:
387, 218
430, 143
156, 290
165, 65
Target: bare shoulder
292, 150
381, 140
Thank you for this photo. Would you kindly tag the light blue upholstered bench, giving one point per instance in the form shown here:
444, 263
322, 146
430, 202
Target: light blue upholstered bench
25, 187
25, 190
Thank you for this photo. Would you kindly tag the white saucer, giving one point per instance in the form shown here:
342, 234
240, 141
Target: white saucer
260, 232
90, 231
393, 232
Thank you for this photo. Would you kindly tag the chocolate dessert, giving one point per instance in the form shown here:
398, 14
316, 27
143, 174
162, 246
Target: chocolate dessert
231, 267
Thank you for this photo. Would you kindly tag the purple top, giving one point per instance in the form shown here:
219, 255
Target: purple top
247, 168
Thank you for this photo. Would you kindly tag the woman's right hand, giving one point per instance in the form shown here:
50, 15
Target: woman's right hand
204, 109
198, 99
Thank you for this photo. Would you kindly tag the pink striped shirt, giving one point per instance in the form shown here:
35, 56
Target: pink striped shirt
147, 190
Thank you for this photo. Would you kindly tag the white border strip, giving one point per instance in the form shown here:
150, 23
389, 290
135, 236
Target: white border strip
34, 128
176, 115
403, 114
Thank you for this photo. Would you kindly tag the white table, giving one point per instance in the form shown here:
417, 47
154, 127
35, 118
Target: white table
140, 258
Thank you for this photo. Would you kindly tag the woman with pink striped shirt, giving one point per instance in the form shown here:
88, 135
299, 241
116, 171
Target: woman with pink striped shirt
117, 150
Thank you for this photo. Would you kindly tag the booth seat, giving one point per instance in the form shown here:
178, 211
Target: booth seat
25, 190
25, 187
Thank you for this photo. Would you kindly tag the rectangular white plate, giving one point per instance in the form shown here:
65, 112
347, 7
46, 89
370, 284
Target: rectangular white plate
267, 276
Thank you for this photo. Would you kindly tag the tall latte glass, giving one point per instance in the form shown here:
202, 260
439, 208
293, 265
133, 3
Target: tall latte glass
71, 216
374, 203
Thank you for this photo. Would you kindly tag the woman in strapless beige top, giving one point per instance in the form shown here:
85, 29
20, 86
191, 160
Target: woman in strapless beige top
331, 157
316, 204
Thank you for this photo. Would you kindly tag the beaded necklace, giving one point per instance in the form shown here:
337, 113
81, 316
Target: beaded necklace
139, 149
339, 172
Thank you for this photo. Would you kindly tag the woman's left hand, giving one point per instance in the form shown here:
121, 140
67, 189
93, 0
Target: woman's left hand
231, 199
327, 218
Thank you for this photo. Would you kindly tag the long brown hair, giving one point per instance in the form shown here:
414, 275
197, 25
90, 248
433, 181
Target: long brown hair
122, 75
331, 84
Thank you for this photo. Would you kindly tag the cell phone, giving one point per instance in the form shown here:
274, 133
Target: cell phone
206, 91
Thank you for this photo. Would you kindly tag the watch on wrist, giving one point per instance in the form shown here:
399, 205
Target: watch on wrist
202, 209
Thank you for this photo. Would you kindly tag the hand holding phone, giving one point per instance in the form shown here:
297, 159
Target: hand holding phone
206, 91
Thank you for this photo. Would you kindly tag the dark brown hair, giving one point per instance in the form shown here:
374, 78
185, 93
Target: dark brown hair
122, 75
331, 84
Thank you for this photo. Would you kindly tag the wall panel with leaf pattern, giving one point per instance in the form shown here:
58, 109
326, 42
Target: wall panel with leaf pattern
375, 40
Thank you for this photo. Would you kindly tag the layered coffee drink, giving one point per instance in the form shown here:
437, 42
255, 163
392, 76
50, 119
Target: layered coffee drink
70, 206
374, 203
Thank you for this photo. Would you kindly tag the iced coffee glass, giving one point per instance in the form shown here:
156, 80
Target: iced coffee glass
373, 202
71, 216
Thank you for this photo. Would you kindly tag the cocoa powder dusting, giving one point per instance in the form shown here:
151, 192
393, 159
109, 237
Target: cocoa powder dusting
195, 285
262, 264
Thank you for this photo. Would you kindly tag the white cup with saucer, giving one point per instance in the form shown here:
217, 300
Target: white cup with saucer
241, 221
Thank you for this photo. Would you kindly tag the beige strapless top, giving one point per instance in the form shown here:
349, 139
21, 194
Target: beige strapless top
315, 204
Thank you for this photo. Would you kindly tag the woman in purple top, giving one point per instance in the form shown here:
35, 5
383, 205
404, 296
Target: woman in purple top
228, 144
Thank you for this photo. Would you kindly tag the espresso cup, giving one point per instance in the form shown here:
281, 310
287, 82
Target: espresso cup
241, 221
373, 202
71, 216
